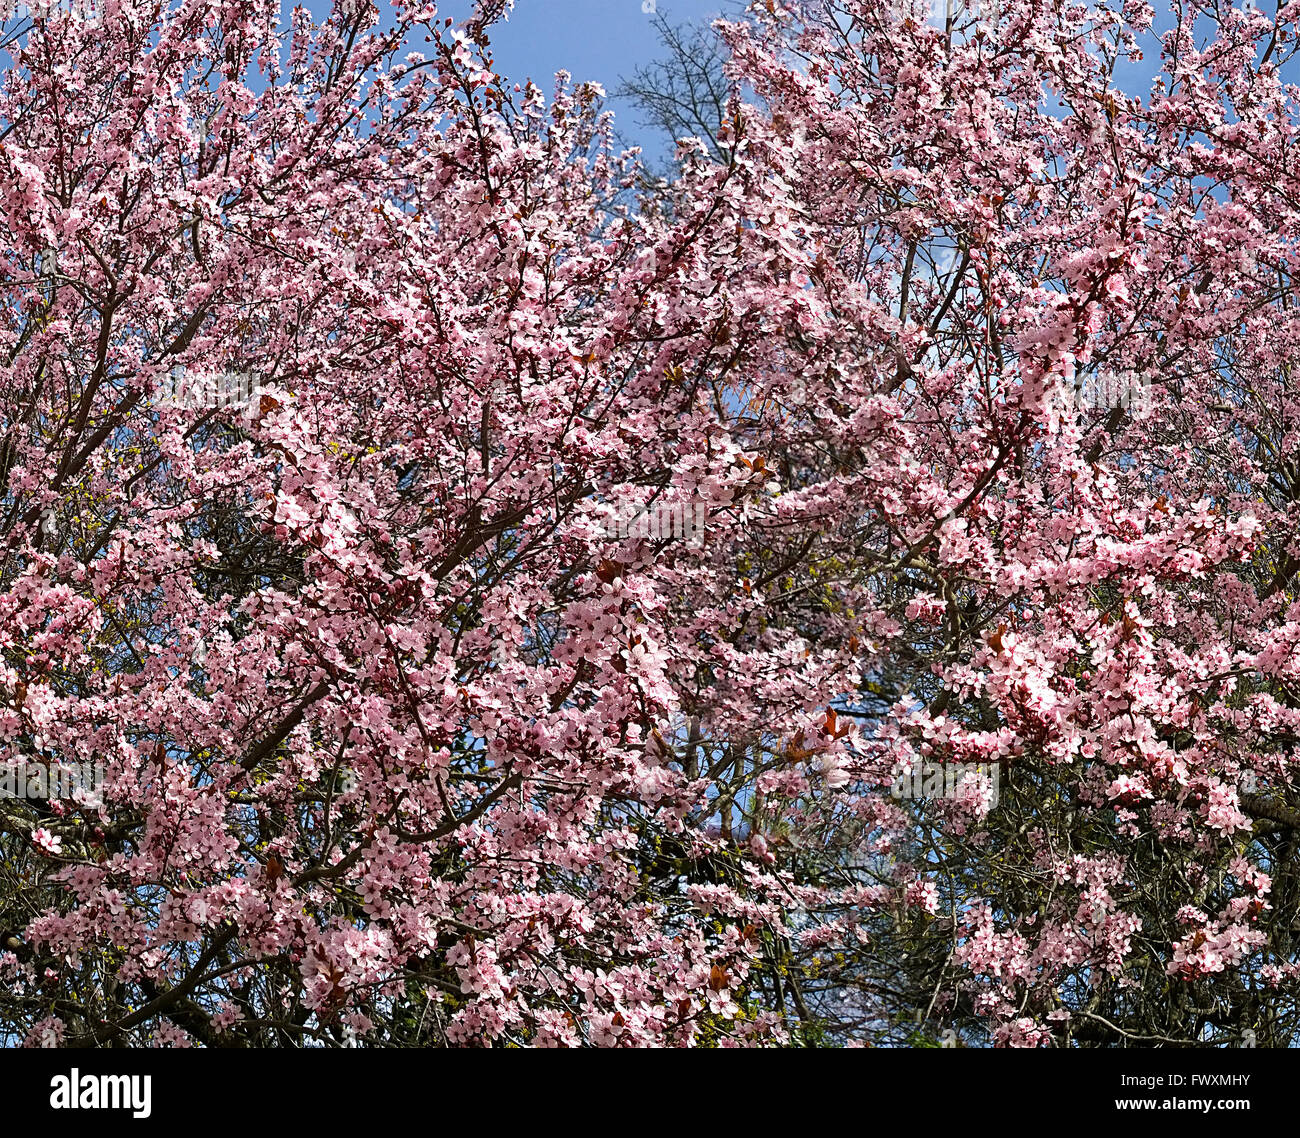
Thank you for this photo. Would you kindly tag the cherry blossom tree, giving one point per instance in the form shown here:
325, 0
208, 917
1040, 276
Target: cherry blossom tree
387, 717
408, 737
1099, 605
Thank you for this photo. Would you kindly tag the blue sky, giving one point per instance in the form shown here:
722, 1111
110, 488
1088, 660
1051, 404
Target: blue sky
597, 40
594, 40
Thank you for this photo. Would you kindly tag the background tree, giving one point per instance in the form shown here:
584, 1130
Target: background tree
686, 93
